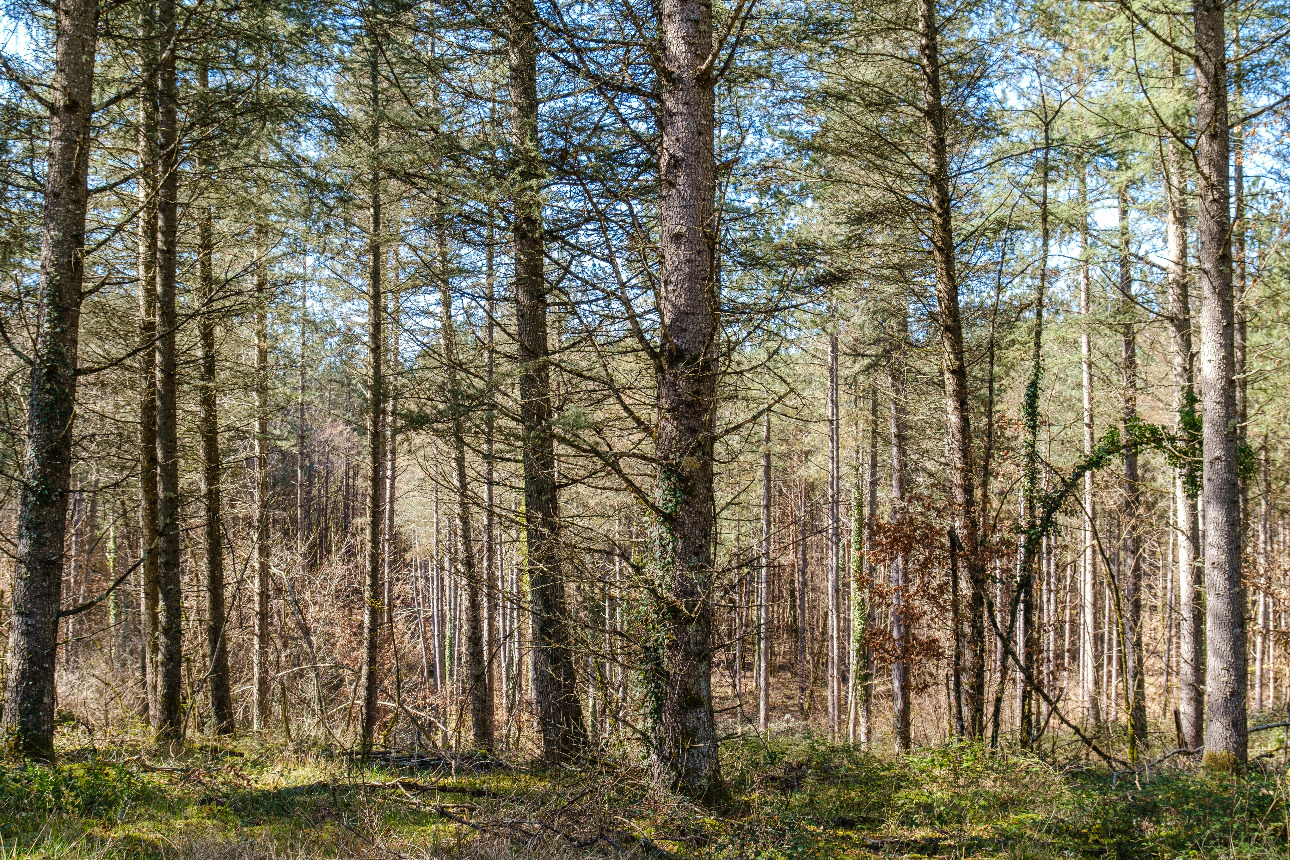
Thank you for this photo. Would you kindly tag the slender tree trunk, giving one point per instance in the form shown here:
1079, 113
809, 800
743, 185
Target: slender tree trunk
681, 661
479, 681
763, 589
835, 547
170, 720
1191, 611
899, 623
373, 592
870, 524
30, 694
1090, 656
216, 635
150, 597
1225, 670
555, 683
1030, 545
260, 669
1130, 548
953, 365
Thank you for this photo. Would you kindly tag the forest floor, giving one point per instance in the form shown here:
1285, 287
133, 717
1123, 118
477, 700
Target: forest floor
796, 797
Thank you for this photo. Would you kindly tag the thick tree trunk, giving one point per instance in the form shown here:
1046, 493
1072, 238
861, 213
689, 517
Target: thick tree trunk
680, 674
1225, 670
953, 365
373, 593
216, 635
30, 693
1191, 611
555, 684
169, 722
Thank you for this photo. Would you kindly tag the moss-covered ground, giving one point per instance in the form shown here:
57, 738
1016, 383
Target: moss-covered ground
796, 797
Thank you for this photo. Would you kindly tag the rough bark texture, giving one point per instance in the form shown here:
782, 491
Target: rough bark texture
763, 588
169, 722
555, 684
958, 420
150, 598
680, 674
29, 703
835, 547
1225, 669
221, 693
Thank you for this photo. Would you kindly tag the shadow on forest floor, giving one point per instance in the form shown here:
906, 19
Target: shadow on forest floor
795, 797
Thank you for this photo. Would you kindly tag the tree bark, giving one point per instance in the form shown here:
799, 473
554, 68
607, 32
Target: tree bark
1226, 742
221, 692
30, 694
899, 623
680, 671
1191, 610
1130, 567
480, 687
260, 669
373, 593
835, 548
555, 683
953, 365
150, 597
1090, 655
763, 588
169, 722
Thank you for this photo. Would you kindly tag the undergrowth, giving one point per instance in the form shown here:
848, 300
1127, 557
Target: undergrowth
797, 796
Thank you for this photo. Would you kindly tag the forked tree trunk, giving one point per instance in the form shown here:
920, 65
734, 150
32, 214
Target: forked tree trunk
680, 663
555, 684
30, 695
1225, 670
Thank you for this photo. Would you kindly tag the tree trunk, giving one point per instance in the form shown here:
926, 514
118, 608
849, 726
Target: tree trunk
899, 623
260, 669
1130, 568
1191, 654
169, 723
47, 459
480, 687
150, 598
1225, 670
763, 589
835, 548
1090, 655
681, 661
216, 634
953, 365
1027, 722
373, 594
555, 684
